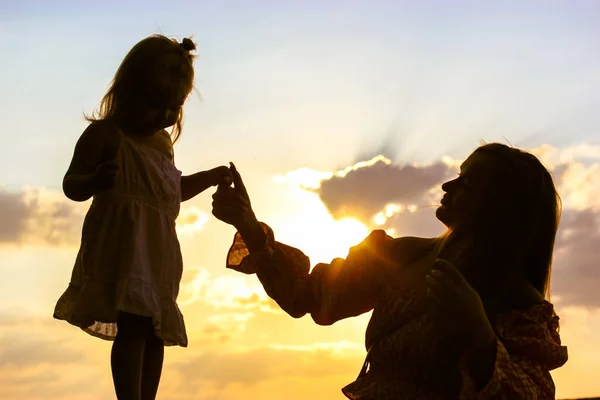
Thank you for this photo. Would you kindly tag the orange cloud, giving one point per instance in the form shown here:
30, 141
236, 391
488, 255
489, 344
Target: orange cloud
224, 292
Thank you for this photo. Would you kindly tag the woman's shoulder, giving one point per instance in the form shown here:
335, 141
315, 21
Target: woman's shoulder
410, 248
414, 241
525, 297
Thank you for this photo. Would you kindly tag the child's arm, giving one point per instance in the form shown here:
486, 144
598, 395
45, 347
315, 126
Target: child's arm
92, 167
192, 185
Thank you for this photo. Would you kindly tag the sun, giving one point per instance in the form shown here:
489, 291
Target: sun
313, 230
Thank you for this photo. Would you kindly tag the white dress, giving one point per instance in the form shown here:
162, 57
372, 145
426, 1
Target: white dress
130, 259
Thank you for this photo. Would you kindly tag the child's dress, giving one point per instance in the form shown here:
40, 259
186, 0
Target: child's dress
130, 259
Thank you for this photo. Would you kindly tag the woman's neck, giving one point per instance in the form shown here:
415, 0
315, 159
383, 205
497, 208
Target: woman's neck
454, 248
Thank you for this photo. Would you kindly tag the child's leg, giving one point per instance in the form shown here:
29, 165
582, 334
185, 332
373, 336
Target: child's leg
127, 356
153, 361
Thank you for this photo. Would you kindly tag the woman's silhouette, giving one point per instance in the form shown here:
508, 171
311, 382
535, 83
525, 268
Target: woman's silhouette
463, 315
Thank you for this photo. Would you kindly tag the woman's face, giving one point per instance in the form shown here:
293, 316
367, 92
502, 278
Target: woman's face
466, 194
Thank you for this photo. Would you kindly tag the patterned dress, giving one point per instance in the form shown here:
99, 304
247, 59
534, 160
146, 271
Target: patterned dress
420, 358
129, 259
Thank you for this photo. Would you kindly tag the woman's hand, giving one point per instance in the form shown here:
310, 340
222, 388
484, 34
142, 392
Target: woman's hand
460, 304
232, 204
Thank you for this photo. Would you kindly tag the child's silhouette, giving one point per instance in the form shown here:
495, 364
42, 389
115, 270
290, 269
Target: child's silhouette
126, 277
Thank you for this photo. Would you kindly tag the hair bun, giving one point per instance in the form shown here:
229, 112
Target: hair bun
187, 44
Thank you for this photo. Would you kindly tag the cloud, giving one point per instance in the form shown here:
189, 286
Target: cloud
264, 363
363, 192
364, 189
191, 220
578, 185
19, 317
222, 305
420, 222
224, 292
37, 216
17, 350
40, 216
14, 213
576, 267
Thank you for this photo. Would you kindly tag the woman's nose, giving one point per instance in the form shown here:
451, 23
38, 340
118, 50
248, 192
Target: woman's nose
447, 186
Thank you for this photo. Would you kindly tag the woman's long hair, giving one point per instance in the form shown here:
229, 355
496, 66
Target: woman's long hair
512, 233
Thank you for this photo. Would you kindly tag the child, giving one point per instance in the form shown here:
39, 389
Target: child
126, 277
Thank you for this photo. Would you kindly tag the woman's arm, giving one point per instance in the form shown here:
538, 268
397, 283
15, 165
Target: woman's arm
330, 292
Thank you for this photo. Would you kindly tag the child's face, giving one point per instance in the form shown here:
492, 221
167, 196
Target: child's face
161, 110
160, 105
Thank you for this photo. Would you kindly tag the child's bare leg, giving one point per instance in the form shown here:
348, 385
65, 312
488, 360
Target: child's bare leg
127, 356
153, 361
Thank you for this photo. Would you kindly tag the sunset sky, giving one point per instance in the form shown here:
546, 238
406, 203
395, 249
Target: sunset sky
342, 116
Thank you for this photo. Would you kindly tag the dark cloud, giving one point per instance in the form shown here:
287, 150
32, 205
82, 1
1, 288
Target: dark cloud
33, 217
576, 268
364, 192
13, 216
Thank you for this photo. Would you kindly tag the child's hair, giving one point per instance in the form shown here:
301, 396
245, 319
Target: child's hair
135, 76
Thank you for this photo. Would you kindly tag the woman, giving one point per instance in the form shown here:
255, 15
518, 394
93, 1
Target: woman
464, 315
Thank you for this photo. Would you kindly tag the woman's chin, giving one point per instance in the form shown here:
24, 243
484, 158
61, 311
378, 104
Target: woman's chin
443, 215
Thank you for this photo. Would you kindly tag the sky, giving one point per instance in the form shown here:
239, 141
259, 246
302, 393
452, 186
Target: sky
342, 117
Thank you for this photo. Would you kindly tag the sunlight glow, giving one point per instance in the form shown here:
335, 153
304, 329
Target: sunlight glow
304, 177
227, 292
317, 233
451, 162
388, 211
337, 348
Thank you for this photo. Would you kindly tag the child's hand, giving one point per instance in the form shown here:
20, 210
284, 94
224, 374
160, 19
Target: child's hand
221, 175
105, 176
